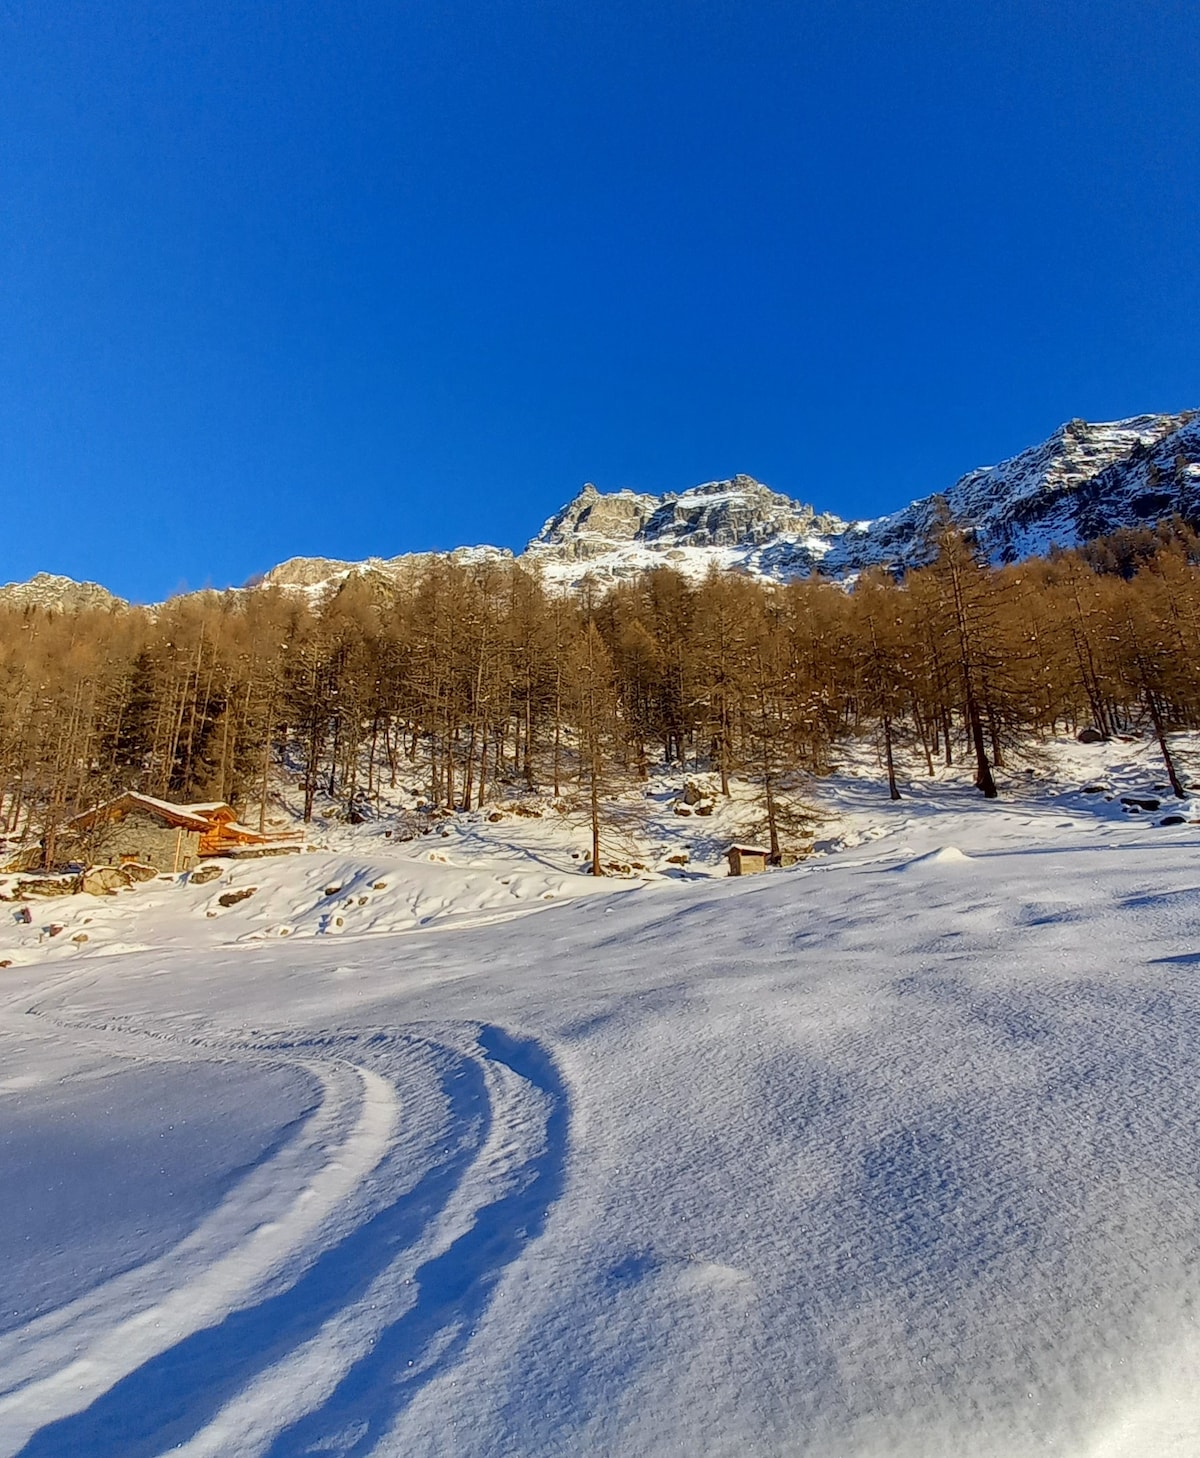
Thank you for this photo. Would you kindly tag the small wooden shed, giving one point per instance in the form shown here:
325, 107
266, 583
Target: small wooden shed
745, 860
137, 827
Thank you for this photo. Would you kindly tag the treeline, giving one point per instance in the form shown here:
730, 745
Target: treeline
481, 679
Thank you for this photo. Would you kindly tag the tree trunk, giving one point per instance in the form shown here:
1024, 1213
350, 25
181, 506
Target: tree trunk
919, 720
594, 808
1161, 734
893, 790
983, 771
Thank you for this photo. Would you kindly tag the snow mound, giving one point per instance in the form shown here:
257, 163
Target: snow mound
946, 855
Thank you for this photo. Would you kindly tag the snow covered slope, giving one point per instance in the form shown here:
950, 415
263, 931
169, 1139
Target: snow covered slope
892, 1153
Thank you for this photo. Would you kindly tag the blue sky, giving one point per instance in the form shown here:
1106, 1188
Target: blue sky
365, 277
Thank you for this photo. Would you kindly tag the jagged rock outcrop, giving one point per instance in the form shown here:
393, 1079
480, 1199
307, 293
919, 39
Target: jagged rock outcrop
740, 512
319, 574
728, 524
54, 593
593, 522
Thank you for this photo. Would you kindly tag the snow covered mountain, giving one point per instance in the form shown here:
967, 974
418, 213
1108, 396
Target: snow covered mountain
1084, 481
730, 524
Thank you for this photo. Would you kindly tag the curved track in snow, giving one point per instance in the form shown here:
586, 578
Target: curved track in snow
334, 1280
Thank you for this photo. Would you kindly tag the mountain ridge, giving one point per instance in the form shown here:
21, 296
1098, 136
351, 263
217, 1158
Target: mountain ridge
1085, 480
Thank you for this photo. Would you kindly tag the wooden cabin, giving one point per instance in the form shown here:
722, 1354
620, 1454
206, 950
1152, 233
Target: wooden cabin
745, 860
137, 827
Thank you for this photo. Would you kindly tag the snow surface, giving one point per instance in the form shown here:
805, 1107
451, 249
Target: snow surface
890, 1153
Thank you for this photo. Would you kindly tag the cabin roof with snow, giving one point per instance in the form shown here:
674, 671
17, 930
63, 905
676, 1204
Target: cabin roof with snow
215, 822
132, 802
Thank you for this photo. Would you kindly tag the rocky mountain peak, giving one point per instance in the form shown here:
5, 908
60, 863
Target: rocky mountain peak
592, 522
1084, 480
55, 593
738, 513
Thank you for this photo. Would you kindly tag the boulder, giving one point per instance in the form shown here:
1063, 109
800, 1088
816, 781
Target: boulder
202, 875
108, 880
48, 886
103, 880
1173, 820
1137, 802
231, 898
692, 794
1090, 736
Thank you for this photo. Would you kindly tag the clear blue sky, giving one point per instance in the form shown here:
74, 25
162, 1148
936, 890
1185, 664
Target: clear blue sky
371, 276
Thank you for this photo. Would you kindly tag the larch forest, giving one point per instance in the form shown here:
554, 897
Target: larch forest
485, 682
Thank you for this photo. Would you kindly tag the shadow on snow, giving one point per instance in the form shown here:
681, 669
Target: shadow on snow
454, 1287
171, 1397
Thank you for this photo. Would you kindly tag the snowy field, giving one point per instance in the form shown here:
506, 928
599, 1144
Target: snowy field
892, 1153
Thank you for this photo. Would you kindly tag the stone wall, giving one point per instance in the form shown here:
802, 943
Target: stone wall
146, 840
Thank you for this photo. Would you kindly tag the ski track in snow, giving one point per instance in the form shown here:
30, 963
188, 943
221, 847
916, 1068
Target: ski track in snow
204, 1350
